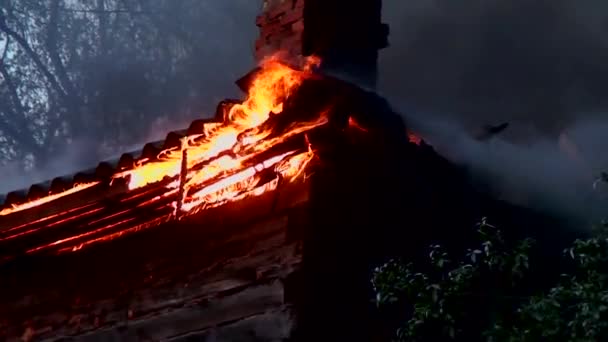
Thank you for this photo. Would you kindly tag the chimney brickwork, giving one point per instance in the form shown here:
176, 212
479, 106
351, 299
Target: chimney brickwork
346, 34
281, 26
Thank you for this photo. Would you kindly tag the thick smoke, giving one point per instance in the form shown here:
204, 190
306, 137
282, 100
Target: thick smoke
222, 50
456, 66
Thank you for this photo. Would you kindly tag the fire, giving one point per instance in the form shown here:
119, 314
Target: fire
224, 150
247, 182
228, 161
293, 167
46, 199
266, 95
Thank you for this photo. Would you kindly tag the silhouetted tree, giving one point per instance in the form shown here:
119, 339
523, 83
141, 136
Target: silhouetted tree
477, 299
98, 72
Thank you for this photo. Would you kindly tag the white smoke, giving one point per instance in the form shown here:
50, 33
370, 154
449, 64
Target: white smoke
544, 174
454, 67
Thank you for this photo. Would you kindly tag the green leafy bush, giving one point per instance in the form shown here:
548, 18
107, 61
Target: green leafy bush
477, 298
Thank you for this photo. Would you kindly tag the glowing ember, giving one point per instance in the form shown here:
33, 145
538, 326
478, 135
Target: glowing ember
271, 87
294, 167
354, 124
413, 138
46, 199
243, 184
256, 147
249, 153
286, 165
240, 133
224, 149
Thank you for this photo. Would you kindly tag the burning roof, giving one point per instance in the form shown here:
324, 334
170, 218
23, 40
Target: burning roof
190, 188
248, 149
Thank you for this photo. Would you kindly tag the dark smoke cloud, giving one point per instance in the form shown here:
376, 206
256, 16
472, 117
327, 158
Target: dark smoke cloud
533, 61
454, 66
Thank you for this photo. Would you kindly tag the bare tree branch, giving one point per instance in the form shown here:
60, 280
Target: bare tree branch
106, 11
33, 56
51, 43
71, 98
103, 27
20, 132
5, 52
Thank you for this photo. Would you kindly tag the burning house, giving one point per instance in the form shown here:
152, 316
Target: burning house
261, 224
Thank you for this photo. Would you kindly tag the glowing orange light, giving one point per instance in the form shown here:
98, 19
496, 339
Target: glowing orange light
225, 148
222, 164
354, 124
413, 138
46, 199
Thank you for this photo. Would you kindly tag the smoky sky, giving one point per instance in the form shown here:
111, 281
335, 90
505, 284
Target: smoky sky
455, 66
222, 50
538, 62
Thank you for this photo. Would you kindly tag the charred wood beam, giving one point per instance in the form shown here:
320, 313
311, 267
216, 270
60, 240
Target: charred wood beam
114, 210
183, 175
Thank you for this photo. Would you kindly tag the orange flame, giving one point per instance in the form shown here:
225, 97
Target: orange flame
226, 148
247, 182
220, 163
266, 95
243, 184
46, 199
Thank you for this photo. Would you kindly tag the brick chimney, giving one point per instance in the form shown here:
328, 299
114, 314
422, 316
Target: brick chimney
346, 34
